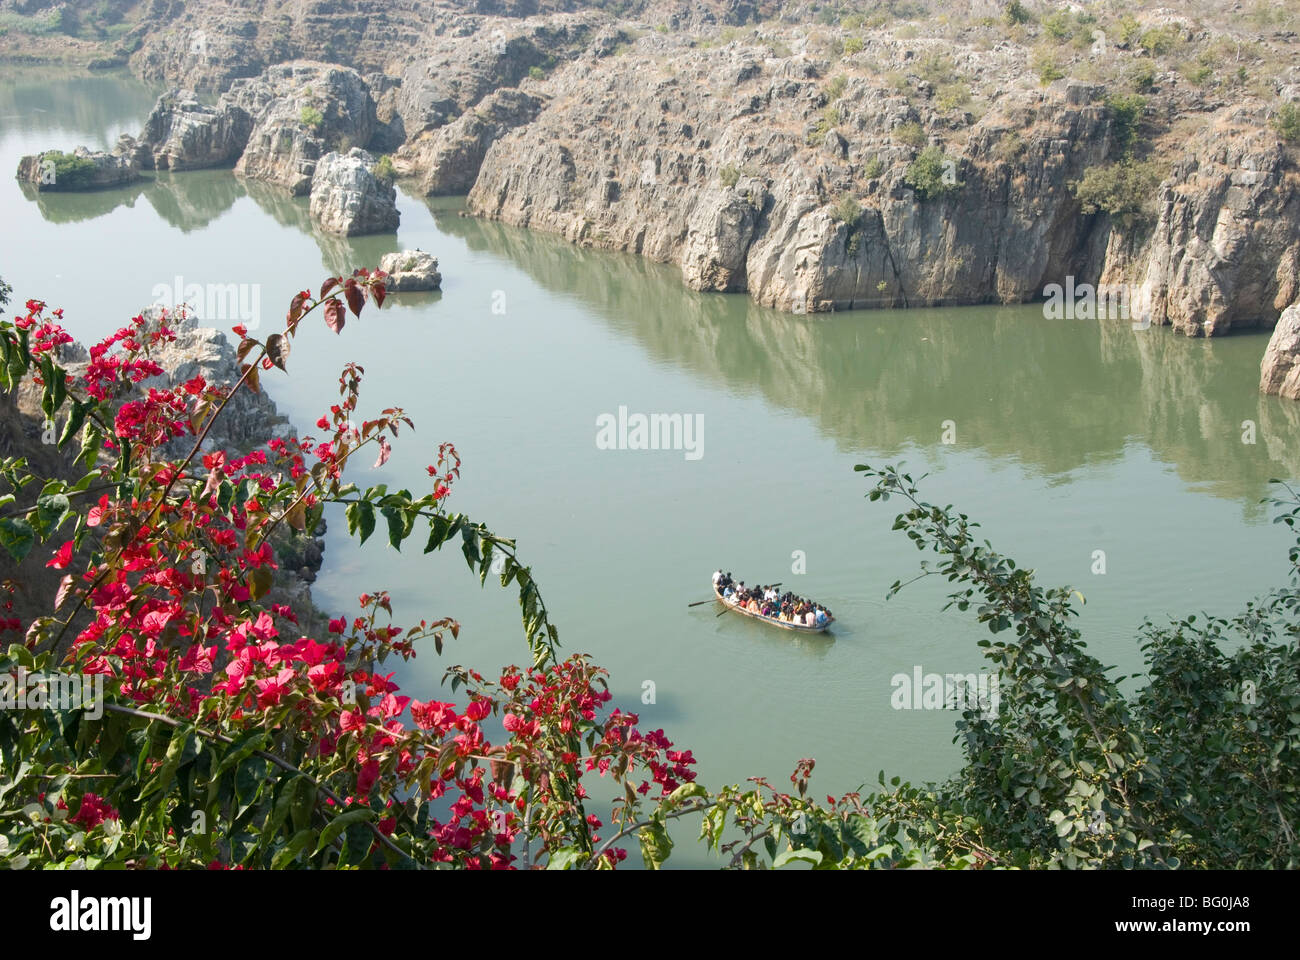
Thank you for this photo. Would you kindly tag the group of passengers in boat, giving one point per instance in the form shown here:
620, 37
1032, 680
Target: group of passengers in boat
765, 601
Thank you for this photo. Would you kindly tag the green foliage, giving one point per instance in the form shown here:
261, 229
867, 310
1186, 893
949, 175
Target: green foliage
1015, 13
1125, 112
1124, 190
1159, 40
1195, 770
537, 73
1009, 146
6, 292
909, 134
853, 45
1058, 26
846, 210
950, 96
1128, 30
311, 118
384, 169
874, 168
835, 88
1287, 122
729, 175
1045, 66
830, 119
937, 70
71, 172
931, 174
37, 25
1143, 77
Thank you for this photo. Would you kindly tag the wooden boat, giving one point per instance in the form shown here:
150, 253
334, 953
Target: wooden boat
774, 621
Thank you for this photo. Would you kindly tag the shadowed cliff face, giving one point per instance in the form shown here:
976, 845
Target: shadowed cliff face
1057, 394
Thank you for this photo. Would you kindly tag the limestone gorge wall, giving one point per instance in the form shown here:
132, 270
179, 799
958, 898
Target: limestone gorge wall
720, 161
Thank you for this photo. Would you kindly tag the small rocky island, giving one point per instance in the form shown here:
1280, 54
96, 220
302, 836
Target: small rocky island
411, 270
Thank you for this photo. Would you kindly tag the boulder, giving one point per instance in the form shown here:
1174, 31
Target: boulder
410, 270
1279, 372
347, 197
183, 134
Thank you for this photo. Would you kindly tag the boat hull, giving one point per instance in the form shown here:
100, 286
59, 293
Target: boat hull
772, 621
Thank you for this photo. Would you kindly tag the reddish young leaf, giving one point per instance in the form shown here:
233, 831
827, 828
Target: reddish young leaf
64, 586
296, 308
277, 349
327, 286
378, 291
356, 299
334, 315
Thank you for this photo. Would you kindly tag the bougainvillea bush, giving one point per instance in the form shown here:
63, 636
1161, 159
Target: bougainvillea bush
228, 737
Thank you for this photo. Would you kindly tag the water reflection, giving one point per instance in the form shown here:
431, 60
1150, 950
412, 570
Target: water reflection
191, 200
82, 205
98, 106
1057, 395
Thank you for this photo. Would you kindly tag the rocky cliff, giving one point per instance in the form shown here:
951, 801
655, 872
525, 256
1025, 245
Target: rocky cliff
819, 159
1280, 369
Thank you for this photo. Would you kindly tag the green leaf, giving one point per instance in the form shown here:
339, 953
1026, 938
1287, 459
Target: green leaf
296, 845
656, 845
341, 823
685, 791
259, 582
75, 420
51, 510
365, 518
396, 526
564, 858
806, 856
17, 537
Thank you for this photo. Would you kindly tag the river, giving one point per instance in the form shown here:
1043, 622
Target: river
1070, 437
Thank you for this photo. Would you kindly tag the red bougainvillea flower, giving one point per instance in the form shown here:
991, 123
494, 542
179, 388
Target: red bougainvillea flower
92, 812
62, 558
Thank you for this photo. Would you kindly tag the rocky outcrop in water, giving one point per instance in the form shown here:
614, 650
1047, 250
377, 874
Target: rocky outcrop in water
80, 170
348, 199
1279, 372
302, 111
720, 165
410, 270
183, 134
273, 127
